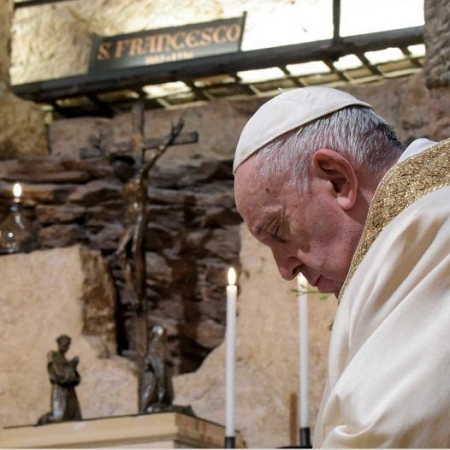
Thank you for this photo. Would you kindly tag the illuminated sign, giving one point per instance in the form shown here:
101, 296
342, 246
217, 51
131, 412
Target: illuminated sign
167, 44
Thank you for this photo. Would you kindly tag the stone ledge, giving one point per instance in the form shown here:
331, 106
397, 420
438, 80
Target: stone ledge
165, 430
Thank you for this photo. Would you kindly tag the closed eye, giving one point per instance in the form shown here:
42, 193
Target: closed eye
277, 235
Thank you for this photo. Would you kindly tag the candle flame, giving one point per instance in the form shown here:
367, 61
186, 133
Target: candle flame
17, 190
231, 276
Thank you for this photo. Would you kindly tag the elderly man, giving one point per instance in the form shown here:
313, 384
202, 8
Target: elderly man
324, 182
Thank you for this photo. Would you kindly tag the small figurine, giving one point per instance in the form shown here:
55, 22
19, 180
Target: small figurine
64, 377
158, 392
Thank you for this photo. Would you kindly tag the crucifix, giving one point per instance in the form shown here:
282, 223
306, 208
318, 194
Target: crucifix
131, 247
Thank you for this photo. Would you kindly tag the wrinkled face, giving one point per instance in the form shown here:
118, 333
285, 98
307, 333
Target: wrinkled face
308, 232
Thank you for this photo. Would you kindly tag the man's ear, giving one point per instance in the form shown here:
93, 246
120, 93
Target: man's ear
339, 173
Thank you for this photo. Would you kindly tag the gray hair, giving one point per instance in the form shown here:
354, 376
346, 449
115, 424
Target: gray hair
355, 132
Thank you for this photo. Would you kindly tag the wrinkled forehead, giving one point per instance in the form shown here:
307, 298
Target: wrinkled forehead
246, 180
251, 191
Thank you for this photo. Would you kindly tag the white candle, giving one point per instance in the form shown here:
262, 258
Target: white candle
230, 353
303, 357
17, 191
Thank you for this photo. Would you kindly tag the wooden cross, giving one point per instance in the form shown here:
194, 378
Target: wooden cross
131, 248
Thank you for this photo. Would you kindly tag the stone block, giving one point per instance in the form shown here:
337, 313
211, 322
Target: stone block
437, 38
439, 117
6, 12
22, 128
74, 137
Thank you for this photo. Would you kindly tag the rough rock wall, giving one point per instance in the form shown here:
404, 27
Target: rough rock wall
191, 240
5, 42
74, 197
437, 36
437, 67
22, 128
192, 235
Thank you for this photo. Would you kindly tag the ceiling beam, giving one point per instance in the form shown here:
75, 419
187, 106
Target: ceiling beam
129, 78
28, 3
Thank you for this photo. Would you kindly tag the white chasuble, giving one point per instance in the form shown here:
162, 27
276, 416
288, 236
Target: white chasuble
389, 363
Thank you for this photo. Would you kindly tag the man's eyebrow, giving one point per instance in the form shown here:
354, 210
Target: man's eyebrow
265, 227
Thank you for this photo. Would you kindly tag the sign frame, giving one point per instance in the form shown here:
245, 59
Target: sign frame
164, 45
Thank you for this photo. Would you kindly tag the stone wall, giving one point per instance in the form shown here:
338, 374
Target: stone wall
74, 197
22, 127
5, 42
437, 67
437, 35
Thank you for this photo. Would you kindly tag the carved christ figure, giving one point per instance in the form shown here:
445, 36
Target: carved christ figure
131, 251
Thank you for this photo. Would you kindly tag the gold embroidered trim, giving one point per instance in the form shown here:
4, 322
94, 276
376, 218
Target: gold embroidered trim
404, 184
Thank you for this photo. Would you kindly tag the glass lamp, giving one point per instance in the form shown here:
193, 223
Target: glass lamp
16, 233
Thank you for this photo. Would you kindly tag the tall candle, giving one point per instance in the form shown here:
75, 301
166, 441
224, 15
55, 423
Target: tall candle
303, 346
230, 353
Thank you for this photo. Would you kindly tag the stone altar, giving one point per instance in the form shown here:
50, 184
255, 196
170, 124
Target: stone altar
165, 430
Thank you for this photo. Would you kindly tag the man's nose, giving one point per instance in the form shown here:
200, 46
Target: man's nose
288, 266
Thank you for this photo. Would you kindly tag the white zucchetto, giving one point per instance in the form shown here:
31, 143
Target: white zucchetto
287, 111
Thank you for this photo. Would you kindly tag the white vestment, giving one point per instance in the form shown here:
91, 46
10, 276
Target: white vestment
389, 361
